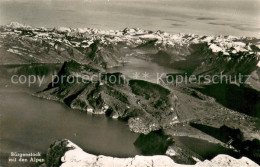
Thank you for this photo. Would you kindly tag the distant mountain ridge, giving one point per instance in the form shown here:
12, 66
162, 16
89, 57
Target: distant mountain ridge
133, 38
190, 53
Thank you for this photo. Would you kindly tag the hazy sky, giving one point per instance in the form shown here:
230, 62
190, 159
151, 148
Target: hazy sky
234, 17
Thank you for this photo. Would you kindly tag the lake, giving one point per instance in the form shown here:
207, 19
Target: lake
137, 68
204, 148
31, 124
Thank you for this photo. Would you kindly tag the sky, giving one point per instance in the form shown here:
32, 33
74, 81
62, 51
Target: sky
222, 17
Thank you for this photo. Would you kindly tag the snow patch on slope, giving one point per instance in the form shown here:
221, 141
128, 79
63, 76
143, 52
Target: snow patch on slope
215, 48
17, 25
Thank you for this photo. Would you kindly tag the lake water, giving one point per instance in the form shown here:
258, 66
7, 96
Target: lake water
204, 148
32, 124
137, 68
227, 17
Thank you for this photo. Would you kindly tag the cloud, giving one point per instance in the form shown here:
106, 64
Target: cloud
206, 18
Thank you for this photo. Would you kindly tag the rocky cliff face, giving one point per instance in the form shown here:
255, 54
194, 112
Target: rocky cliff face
68, 154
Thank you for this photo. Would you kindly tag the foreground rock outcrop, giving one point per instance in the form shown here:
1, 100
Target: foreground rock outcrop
64, 153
